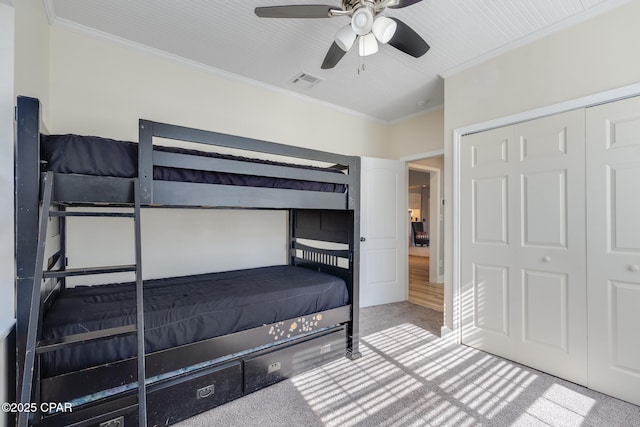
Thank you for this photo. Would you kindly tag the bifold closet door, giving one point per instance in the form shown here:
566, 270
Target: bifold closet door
551, 289
488, 238
522, 219
613, 255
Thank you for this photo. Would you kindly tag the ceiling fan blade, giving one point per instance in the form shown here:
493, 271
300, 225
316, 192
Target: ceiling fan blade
334, 55
403, 3
408, 41
295, 11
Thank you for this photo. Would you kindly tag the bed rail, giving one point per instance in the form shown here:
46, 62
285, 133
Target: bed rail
330, 257
67, 387
157, 192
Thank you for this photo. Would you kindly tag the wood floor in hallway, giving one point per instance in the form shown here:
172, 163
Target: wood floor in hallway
421, 291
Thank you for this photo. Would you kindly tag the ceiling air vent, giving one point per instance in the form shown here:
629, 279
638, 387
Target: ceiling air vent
305, 80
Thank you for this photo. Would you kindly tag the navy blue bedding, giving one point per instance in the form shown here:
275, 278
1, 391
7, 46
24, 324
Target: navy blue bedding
90, 155
185, 309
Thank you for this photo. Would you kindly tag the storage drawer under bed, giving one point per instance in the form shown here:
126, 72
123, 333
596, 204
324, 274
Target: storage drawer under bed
168, 401
181, 397
271, 367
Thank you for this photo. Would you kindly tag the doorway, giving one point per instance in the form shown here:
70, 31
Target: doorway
425, 250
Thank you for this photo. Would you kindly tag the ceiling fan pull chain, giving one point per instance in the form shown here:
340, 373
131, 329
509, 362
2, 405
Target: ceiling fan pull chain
361, 65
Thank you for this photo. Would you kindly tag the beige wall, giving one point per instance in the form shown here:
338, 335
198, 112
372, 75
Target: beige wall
103, 88
419, 134
32, 52
594, 56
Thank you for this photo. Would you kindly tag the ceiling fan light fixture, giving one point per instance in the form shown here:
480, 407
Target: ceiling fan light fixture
362, 21
384, 28
345, 37
366, 25
367, 45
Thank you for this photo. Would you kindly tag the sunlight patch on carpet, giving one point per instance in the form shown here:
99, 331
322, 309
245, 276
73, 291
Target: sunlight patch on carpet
408, 375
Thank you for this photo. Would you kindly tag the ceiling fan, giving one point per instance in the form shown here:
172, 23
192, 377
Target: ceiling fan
366, 26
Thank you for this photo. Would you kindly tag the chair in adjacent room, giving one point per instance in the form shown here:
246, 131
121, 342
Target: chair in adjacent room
420, 237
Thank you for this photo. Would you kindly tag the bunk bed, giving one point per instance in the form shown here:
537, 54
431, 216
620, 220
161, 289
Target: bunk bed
207, 338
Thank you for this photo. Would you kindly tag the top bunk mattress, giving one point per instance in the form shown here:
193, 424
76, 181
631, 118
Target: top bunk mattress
91, 155
182, 310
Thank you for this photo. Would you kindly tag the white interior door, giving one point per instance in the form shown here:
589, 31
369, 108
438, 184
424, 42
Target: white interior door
383, 230
613, 256
522, 216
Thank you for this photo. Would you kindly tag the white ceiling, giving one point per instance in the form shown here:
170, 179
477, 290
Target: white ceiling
227, 36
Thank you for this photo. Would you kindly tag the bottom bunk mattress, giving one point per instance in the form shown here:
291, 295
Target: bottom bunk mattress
182, 310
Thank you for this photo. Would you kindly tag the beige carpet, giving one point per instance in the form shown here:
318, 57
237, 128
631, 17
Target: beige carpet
409, 376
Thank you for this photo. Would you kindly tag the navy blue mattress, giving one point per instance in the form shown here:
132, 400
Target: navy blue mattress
185, 309
91, 155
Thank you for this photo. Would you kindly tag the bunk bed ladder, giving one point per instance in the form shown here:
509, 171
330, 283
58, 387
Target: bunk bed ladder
35, 346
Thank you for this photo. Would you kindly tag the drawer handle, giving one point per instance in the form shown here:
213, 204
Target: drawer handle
546, 259
116, 422
273, 367
204, 392
633, 268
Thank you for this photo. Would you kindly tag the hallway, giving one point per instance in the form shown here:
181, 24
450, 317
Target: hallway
421, 292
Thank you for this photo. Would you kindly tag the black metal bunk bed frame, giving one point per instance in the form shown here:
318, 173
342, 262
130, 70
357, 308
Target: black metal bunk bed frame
329, 217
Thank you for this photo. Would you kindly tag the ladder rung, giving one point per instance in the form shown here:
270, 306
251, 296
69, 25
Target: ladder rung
66, 341
93, 214
89, 271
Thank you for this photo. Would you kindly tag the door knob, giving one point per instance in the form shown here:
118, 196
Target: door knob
634, 268
546, 259
362, 239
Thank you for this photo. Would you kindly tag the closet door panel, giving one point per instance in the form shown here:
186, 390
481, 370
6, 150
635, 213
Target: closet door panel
624, 212
613, 255
491, 298
487, 191
545, 298
544, 209
551, 247
489, 210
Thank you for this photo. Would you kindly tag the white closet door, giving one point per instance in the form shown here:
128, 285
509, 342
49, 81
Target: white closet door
613, 256
488, 239
523, 245
551, 294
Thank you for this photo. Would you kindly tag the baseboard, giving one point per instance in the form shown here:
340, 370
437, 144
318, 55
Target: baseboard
448, 335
